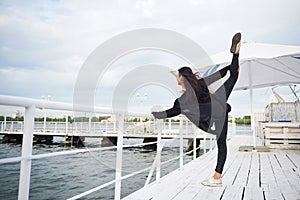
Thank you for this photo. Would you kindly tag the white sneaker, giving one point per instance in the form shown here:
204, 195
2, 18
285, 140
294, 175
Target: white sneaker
211, 182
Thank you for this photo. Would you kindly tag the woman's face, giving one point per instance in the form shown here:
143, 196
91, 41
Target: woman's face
180, 79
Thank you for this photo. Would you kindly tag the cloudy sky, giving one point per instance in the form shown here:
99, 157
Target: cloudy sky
43, 44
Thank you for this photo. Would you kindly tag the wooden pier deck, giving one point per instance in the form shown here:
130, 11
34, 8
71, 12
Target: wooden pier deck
247, 175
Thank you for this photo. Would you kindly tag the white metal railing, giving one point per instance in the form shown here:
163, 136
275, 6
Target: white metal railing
31, 105
59, 127
93, 127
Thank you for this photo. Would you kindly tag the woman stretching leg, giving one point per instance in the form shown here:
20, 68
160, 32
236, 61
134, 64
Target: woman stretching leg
207, 111
221, 141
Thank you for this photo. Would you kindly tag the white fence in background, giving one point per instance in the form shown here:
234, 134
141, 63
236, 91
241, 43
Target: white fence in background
29, 126
93, 127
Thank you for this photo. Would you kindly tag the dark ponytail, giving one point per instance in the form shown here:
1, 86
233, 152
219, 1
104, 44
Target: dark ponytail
194, 87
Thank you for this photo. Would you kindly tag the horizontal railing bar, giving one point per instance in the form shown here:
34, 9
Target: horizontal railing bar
92, 190
135, 173
107, 184
141, 144
42, 104
125, 177
47, 155
178, 157
10, 160
167, 161
191, 151
69, 152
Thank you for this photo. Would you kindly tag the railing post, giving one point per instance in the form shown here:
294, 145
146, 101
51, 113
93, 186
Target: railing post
4, 123
66, 124
94, 127
45, 121
21, 126
120, 128
148, 128
12, 126
106, 126
55, 127
186, 127
233, 125
159, 149
90, 124
115, 125
81, 127
181, 143
25, 170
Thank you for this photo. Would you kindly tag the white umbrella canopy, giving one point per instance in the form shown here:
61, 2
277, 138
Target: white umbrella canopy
262, 65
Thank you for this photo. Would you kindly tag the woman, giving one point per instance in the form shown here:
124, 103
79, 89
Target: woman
208, 111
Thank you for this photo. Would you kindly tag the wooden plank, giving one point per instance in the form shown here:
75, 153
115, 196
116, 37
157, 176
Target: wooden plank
267, 177
233, 192
282, 144
143, 194
253, 193
294, 157
242, 175
292, 160
272, 193
209, 193
195, 188
294, 130
189, 192
177, 186
231, 173
172, 185
283, 136
282, 182
288, 169
283, 124
152, 189
297, 152
254, 174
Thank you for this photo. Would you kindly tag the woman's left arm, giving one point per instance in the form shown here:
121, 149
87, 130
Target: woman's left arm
172, 112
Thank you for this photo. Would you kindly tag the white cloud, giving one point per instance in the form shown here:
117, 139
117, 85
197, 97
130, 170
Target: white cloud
36, 83
46, 42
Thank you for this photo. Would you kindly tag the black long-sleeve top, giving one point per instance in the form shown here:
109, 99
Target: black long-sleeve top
206, 115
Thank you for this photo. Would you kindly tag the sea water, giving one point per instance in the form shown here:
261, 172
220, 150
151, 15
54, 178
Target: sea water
62, 177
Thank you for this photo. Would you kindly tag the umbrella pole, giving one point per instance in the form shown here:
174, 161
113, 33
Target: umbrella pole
251, 106
252, 118
255, 148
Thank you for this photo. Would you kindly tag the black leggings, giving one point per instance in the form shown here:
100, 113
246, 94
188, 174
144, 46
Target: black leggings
221, 142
